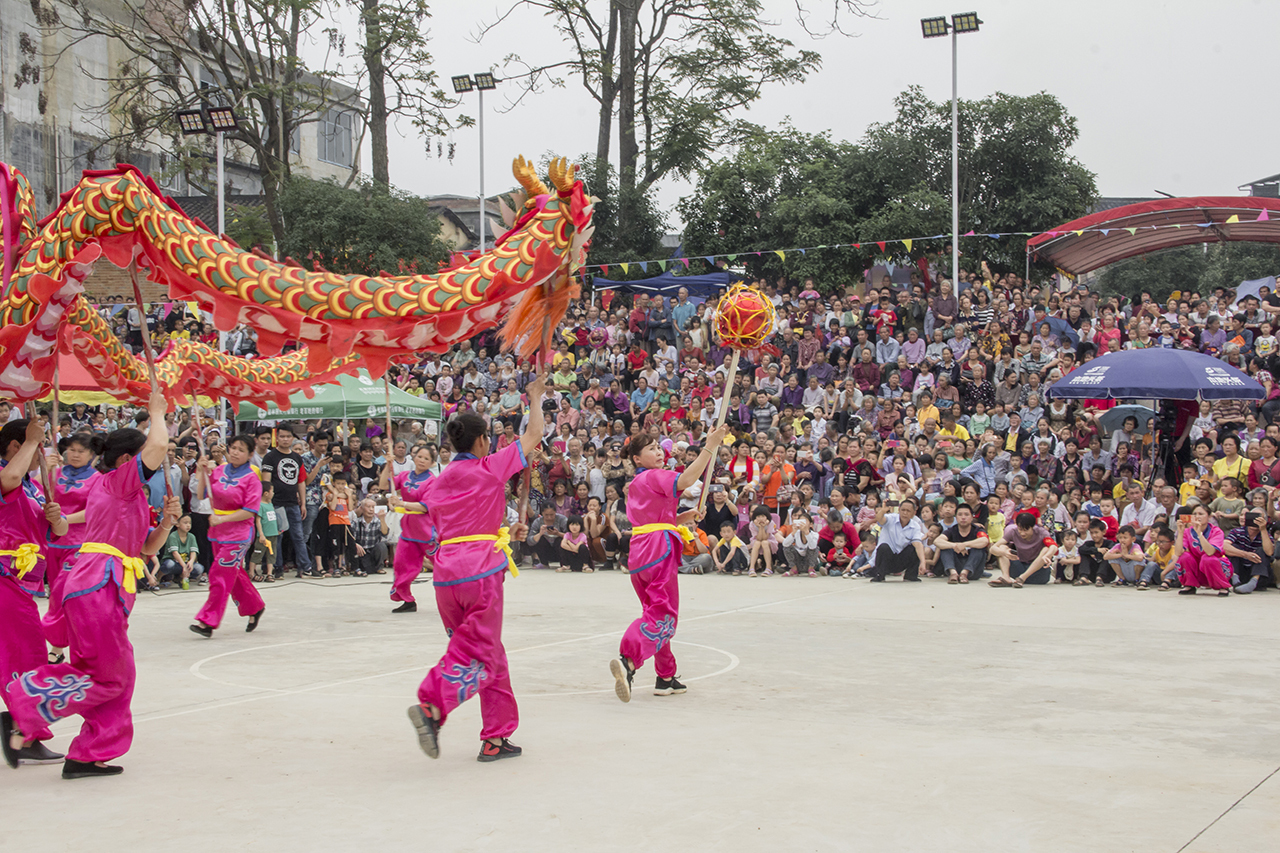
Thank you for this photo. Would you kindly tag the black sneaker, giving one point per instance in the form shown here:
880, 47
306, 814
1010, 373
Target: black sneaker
85, 769
407, 607
6, 735
622, 675
254, 620
202, 630
668, 686
38, 753
1187, 590
428, 730
495, 752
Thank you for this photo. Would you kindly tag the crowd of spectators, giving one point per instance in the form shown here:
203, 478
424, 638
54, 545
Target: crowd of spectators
895, 430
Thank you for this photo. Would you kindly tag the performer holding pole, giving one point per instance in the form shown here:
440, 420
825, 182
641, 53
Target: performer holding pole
235, 490
417, 536
71, 486
26, 519
100, 589
467, 504
145, 331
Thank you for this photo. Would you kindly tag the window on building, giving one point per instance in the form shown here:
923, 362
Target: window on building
27, 151
169, 176
336, 137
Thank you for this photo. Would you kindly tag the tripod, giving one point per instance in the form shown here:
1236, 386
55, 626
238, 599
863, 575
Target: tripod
1166, 459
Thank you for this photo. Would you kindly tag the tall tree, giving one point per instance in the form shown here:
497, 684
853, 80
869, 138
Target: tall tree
394, 50
673, 74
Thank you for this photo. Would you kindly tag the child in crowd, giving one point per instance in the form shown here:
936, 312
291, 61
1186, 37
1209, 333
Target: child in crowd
730, 553
931, 552
268, 539
864, 559
763, 541
839, 556
1068, 558
1228, 507
1107, 513
995, 519
867, 515
1162, 557
574, 556
1126, 557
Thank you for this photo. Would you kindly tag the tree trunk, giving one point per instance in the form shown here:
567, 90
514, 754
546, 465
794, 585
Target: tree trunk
373, 47
628, 151
608, 96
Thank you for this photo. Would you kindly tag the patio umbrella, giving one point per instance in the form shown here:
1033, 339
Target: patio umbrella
1165, 374
1114, 418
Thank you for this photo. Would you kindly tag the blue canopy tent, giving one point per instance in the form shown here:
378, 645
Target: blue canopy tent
668, 284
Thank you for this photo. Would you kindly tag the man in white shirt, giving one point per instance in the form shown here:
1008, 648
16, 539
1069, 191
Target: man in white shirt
1139, 513
901, 547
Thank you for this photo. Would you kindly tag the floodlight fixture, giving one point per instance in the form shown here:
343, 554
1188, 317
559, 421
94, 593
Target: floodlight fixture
223, 119
191, 122
486, 81
463, 84
933, 27
965, 22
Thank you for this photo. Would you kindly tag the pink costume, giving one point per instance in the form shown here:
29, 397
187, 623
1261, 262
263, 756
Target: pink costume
98, 682
232, 489
71, 491
654, 561
22, 525
467, 499
1200, 570
417, 536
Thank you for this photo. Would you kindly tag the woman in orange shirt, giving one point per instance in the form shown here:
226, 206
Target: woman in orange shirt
774, 476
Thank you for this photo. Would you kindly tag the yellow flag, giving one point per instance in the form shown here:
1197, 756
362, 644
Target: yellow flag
780, 253
624, 268
907, 243
1232, 218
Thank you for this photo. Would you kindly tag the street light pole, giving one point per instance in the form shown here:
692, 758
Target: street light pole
480, 121
955, 172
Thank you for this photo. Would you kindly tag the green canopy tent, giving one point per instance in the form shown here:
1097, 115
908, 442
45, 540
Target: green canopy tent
350, 398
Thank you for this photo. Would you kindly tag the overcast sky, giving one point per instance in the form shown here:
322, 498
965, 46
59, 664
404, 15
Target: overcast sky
1172, 96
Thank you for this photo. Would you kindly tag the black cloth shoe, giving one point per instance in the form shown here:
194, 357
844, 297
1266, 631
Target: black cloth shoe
668, 686
202, 630
6, 734
912, 580
85, 769
877, 578
38, 753
254, 620
623, 672
495, 752
1187, 590
407, 607
428, 730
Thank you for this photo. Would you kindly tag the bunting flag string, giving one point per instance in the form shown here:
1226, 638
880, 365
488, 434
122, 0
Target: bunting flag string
907, 243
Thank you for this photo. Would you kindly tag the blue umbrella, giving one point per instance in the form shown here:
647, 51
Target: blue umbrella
1062, 329
1113, 419
1168, 374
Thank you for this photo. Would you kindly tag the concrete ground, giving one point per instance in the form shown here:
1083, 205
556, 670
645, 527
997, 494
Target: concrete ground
821, 715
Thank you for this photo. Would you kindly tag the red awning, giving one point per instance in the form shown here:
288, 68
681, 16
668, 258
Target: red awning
1108, 236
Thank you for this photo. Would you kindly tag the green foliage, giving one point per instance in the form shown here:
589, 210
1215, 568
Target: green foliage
364, 230
610, 243
248, 225
784, 188
1199, 268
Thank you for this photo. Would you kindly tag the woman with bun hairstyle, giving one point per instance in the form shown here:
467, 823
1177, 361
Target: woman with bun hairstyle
26, 522
235, 489
71, 485
417, 536
98, 593
466, 503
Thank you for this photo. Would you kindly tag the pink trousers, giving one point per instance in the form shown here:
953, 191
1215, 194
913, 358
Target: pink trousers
475, 661
21, 643
97, 684
407, 567
1204, 571
227, 578
650, 636
55, 623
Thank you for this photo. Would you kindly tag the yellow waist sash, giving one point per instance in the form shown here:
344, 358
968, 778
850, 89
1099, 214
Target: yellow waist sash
25, 557
134, 568
501, 542
682, 532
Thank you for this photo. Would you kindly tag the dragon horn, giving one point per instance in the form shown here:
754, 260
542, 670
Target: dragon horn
563, 174
528, 177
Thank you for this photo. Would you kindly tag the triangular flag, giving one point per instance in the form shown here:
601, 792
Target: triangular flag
732, 258
856, 245
644, 265
1132, 231
780, 253
625, 268
1263, 217
907, 243
1027, 233
1052, 233
969, 233
757, 254
1079, 233
995, 236
804, 251
1232, 218
1204, 224
881, 245
1179, 225
604, 268
709, 259
1106, 231
662, 265
686, 262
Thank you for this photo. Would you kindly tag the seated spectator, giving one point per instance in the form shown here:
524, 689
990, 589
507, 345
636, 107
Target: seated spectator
369, 530
1026, 548
544, 537
729, 554
963, 547
180, 555
901, 547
